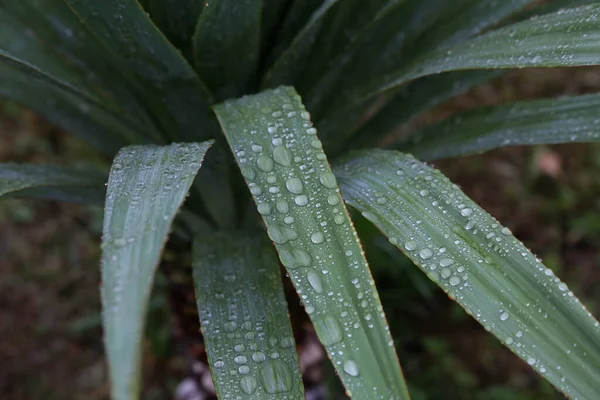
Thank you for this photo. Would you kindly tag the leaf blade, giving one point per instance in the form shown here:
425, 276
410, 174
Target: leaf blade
146, 186
173, 91
226, 29
236, 278
83, 185
565, 38
314, 236
549, 121
479, 264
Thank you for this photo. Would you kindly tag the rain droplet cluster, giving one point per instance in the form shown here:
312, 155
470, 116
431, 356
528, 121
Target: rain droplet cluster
479, 263
242, 306
146, 186
295, 191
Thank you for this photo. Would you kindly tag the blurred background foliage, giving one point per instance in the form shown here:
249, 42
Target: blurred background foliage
50, 336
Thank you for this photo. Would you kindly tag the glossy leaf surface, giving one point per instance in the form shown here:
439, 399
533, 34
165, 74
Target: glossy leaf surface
564, 120
478, 263
227, 46
84, 185
244, 318
146, 187
297, 195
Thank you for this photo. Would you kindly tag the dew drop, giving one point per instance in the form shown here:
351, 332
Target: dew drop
276, 377
248, 173
294, 258
410, 245
328, 180
329, 329
338, 219
446, 273
256, 148
264, 208
504, 316
425, 254
531, 361
506, 231
455, 280
288, 220
315, 281
264, 163
248, 384
230, 326
282, 206
294, 185
333, 199
317, 237
259, 356
301, 200
282, 156
311, 131
351, 368
244, 369
281, 234
465, 212
219, 364
446, 262
240, 359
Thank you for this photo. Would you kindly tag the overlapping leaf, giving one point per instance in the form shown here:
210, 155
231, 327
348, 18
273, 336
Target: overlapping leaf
563, 120
84, 185
227, 29
146, 187
173, 92
287, 172
244, 318
478, 263
565, 38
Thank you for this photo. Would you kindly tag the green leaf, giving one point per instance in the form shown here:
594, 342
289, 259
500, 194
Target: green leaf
290, 63
479, 264
296, 17
82, 185
46, 38
273, 15
64, 108
424, 27
176, 19
563, 120
173, 91
287, 172
244, 318
146, 187
415, 98
226, 30
563, 39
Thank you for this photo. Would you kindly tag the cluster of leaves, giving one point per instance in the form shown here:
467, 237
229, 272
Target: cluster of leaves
133, 79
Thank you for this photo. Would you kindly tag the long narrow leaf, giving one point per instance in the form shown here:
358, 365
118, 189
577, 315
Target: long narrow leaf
566, 38
227, 29
48, 38
174, 92
146, 187
296, 193
401, 33
64, 108
563, 120
288, 66
479, 264
244, 318
82, 185
416, 98
176, 19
